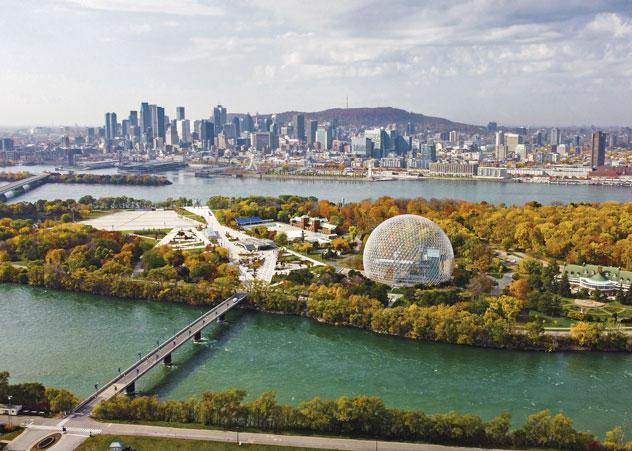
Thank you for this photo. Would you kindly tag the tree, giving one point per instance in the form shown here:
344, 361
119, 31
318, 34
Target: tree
587, 334
480, 284
564, 287
61, 400
613, 440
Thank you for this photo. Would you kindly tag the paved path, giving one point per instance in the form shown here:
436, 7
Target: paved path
79, 429
157, 355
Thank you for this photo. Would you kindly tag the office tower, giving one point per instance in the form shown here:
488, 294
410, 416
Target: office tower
299, 127
554, 136
219, 117
183, 128
380, 140
180, 113
598, 154
157, 114
361, 146
125, 127
410, 129
454, 137
91, 134
428, 152
207, 134
311, 132
145, 117
248, 123
324, 136
133, 118
110, 126
7, 144
511, 142
501, 150
172, 136
237, 127
491, 127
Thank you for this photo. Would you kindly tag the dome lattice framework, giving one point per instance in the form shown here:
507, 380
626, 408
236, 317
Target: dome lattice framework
408, 250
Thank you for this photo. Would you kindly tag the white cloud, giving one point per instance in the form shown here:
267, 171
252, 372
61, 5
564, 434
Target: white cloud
173, 7
141, 28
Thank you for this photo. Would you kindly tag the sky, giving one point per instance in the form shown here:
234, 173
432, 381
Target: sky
534, 62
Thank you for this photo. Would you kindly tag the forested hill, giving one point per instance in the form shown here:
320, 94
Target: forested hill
379, 116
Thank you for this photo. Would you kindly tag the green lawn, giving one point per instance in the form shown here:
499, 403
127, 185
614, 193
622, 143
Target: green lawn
138, 443
11, 435
188, 214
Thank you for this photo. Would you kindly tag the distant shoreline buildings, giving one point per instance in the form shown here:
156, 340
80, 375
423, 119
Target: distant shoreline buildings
301, 144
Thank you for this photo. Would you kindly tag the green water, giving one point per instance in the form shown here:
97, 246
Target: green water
74, 341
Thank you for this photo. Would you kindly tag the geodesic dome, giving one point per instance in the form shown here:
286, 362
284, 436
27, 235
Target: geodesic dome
407, 250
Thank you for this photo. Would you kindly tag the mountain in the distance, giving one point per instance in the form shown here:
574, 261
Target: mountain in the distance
376, 117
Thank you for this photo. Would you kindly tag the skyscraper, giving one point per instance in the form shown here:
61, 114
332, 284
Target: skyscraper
501, 150
180, 113
219, 117
248, 123
311, 132
299, 127
145, 117
236, 127
110, 126
554, 136
184, 130
207, 134
133, 118
598, 154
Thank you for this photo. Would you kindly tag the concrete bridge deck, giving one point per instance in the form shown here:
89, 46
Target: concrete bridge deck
36, 179
125, 382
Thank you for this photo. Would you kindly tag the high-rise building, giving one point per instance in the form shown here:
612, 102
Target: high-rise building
491, 127
598, 154
110, 126
248, 123
133, 118
501, 150
157, 121
410, 129
380, 140
237, 127
428, 152
299, 127
219, 117
145, 117
311, 132
554, 136
125, 127
511, 142
454, 137
183, 128
207, 134
361, 146
324, 136
180, 113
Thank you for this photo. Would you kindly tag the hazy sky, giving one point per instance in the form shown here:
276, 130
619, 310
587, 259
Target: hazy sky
534, 62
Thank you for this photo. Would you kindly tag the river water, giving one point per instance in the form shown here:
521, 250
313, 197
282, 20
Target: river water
74, 341
186, 185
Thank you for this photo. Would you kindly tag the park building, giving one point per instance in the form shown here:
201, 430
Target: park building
607, 279
321, 225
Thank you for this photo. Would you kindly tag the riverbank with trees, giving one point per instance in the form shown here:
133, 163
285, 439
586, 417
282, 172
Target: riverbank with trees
92, 179
356, 416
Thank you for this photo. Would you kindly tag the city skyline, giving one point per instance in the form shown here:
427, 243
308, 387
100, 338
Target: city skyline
529, 63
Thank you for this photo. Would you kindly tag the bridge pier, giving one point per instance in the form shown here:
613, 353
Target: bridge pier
197, 336
130, 389
167, 360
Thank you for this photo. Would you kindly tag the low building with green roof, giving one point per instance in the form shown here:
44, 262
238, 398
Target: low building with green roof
606, 279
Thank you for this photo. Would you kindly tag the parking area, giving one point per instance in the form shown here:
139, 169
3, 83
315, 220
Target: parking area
295, 233
141, 220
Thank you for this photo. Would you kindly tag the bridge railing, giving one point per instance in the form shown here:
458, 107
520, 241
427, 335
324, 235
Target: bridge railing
150, 353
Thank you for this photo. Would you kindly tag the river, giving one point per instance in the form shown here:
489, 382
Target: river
186, 185
74, 341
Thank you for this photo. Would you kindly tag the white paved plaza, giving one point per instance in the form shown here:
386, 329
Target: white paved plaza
141, 220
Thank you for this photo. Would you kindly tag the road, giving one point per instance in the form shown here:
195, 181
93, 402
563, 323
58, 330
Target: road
269, 257
79, 428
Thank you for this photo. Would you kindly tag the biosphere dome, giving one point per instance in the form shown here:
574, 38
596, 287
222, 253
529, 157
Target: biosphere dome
408, 250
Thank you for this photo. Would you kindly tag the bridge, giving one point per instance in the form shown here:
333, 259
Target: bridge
125, 382
18, 186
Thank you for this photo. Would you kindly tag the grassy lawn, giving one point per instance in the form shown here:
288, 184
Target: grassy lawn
188, 214
138, 443
98, 213
11, 435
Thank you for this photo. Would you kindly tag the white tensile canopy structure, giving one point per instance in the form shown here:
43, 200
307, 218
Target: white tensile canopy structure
408, 250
